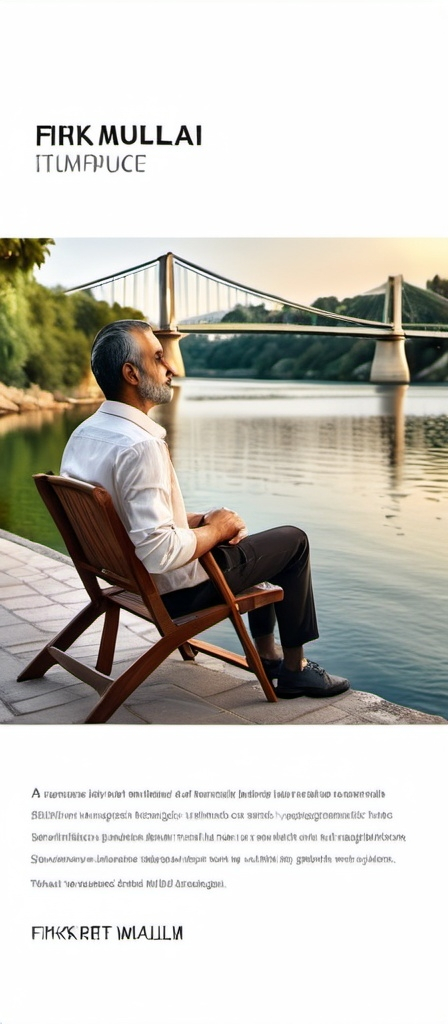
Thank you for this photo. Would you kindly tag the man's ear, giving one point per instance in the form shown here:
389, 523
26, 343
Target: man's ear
130, 374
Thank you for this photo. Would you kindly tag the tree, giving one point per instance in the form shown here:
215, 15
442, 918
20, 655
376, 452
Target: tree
22, 254
438, 285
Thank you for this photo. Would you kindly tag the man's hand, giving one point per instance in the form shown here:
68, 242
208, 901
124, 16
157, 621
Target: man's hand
220, 526
232, 527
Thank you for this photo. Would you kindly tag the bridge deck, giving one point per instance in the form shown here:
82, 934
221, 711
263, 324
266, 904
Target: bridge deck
381, 331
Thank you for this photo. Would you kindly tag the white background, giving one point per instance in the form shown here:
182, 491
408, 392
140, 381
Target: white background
318, 119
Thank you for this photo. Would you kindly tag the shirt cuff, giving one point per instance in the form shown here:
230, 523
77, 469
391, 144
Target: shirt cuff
177, 548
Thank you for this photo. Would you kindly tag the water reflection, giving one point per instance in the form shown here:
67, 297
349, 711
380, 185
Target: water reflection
393, 400
33, 420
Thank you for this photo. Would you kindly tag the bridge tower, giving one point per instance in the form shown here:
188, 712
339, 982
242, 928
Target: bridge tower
389, 364
167, 333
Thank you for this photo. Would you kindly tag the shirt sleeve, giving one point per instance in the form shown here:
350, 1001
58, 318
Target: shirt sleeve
143, 489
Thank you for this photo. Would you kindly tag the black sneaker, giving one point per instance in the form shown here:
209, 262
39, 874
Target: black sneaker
272, 667
312, 681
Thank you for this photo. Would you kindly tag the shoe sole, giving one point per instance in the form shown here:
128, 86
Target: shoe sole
309, 691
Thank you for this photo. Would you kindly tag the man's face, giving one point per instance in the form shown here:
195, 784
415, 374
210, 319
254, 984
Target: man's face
154, 372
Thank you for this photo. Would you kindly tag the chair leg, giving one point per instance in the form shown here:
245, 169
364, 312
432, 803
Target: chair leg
44, 660
122, 687
187, 651
253, 658
108, 640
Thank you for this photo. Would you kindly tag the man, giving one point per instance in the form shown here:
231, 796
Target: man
123, 450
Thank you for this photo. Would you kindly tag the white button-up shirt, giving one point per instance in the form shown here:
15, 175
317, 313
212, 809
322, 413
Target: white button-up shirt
123, 450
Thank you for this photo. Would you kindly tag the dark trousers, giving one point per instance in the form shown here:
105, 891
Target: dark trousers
278, 556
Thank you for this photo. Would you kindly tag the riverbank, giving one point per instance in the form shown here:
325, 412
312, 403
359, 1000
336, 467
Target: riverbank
26, 400
40, 591
22, 400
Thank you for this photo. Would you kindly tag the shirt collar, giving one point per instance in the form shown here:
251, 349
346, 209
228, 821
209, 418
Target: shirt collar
128, 412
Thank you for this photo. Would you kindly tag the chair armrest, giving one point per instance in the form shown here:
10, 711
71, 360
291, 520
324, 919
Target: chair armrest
217, 577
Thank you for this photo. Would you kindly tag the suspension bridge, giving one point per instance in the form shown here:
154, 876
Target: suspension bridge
191, 299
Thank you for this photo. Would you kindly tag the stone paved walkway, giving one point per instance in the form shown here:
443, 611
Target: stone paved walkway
40, 591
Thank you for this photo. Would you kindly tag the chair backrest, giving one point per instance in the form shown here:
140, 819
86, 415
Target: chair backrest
97, 540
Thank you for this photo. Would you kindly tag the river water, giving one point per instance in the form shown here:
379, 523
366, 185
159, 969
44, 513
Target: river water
362, 468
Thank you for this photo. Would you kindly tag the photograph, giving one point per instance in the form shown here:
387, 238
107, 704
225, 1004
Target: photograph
272, 460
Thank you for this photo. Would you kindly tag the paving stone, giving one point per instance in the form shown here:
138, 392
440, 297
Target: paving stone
23, 605
70, 610
10, 666
395, 715
63, 572
139, 626
249, 701
347, 720
55, 679
6, 714
28, 648
26, 573
18, 632
7, 617
126, 716
167, 707
323, 716
87, 653
53, 588
72, 596
16, 692
91, 635
54, 625
8, 562
128, 619
72, 713
52, 698
202, 680
131, 642
39, 561
16, 590
369, 707
7, 579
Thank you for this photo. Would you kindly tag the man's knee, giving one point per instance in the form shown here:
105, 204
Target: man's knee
294, 538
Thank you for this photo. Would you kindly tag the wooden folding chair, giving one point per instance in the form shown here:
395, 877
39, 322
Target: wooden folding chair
102, 550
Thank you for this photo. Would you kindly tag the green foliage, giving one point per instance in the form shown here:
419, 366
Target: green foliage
13, 326
438, 285
330, 303
243, 315
22, 254
63, 330
260, 315
58, 353
45, 335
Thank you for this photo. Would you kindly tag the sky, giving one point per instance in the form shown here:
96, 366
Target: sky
298, 269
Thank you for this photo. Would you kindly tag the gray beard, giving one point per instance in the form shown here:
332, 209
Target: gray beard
160, 394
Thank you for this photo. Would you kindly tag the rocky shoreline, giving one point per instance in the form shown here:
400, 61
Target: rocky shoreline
19, 400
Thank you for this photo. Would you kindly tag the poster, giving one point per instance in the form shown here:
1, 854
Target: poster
319, 119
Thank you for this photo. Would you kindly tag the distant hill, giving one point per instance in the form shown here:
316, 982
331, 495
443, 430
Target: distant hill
420, 306
319, 357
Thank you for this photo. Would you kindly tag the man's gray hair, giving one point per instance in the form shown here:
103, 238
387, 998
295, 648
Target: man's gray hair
114, 345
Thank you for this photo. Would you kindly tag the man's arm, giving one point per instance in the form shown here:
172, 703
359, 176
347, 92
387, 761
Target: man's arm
195, 519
